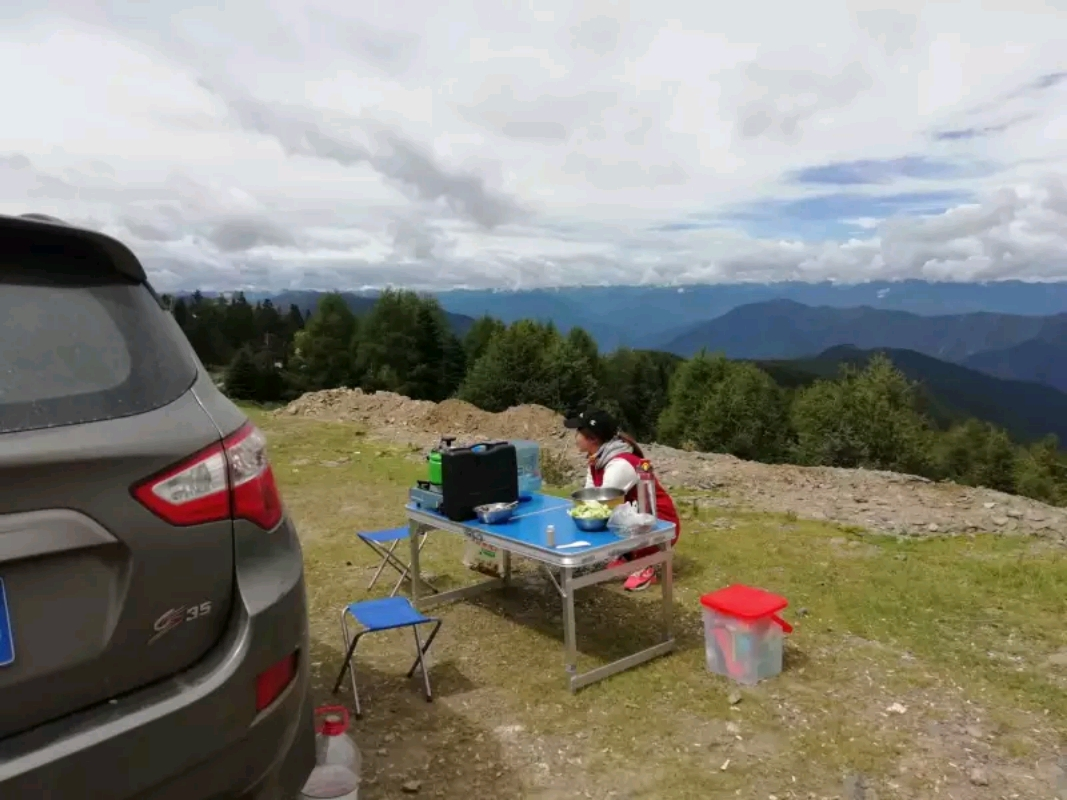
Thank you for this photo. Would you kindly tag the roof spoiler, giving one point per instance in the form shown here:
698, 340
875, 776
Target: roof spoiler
44, 230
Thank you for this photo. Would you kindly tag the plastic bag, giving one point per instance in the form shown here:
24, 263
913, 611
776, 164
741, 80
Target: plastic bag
626, 520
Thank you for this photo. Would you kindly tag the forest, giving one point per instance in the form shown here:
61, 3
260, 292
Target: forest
870, 416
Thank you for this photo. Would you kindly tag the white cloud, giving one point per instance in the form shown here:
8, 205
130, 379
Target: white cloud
326, 144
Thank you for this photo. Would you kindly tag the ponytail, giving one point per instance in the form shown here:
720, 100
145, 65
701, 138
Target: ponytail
633, 444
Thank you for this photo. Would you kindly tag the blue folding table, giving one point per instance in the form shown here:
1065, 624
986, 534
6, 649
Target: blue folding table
524, 536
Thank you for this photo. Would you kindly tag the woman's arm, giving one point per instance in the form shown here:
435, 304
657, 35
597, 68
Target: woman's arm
619, 474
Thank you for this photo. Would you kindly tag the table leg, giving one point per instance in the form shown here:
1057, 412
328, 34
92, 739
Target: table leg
668, 593
570, 632
507, 568
414, 531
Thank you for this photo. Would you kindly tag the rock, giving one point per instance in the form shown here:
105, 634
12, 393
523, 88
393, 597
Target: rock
973, 731
1011, 512
855, 787
933, 527
412, 787
1000, 521
734, 697
1058, 659
978, 776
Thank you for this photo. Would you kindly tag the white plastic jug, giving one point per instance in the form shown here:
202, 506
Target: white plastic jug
337, 759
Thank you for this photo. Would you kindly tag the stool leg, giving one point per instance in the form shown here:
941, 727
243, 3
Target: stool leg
400, 581
350, 652
422, 663
405, 573
384, 554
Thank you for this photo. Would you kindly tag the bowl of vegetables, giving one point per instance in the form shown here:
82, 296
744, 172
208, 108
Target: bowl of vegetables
590, 515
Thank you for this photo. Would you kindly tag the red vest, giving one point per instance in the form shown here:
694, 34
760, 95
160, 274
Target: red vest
664, 505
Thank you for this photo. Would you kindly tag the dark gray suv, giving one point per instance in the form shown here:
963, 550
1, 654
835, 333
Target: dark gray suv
153, 621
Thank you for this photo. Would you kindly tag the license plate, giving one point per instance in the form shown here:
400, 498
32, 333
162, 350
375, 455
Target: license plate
7, 644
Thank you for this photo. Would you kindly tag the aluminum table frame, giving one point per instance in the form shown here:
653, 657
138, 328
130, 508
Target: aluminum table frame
567, 563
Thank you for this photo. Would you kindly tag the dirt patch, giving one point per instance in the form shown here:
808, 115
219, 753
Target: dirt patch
882, 502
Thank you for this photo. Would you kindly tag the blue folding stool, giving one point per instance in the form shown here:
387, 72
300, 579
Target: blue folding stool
385, 614
384, 544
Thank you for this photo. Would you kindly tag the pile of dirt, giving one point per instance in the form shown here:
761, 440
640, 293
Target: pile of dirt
422, 422
876, 501
374, 409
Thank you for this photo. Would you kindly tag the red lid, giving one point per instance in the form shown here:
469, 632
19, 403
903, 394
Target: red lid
744, 602
331, 720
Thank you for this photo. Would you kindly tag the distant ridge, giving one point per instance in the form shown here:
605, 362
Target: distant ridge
648, 316
783, 328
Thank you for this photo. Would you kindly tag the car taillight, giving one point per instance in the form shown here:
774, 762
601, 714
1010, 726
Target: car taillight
272, 682
231, 480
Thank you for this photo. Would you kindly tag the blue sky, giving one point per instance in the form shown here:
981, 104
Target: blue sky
839, 215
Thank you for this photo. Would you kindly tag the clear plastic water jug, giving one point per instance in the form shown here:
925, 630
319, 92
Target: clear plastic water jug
337, 759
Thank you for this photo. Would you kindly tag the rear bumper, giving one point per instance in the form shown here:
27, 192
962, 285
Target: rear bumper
196, 736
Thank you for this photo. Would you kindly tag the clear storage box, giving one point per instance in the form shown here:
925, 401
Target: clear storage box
743, 634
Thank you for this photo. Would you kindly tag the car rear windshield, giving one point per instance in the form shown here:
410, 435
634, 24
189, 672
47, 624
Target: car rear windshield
77, 348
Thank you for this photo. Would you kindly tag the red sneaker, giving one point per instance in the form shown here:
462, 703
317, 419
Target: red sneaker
640, 580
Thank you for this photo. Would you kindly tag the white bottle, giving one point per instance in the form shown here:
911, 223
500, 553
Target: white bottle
550, 535
646, 490
337, 759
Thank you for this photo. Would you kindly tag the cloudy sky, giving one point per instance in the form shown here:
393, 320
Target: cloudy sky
489, 143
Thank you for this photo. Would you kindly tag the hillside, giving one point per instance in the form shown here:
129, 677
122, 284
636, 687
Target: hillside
1033, 360
925, 666
783, 329
877, 501
1027, 410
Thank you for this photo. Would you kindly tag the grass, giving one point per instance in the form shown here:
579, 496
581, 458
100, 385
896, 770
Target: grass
958, 631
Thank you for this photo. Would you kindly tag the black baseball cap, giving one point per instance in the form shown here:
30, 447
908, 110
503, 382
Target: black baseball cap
599, 422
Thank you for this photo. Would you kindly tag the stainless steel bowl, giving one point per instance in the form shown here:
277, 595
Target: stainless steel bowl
591, 525
495, 513
602, 494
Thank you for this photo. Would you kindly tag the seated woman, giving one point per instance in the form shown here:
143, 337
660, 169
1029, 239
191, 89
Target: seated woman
614, 459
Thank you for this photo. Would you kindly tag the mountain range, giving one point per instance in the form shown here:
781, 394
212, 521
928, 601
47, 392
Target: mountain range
1010, 346
1010, 330
648, 316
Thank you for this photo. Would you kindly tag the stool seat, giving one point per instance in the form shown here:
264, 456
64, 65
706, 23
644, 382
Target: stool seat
386, 536
386, 613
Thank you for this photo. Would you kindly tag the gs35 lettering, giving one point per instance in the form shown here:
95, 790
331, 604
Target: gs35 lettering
173, 617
